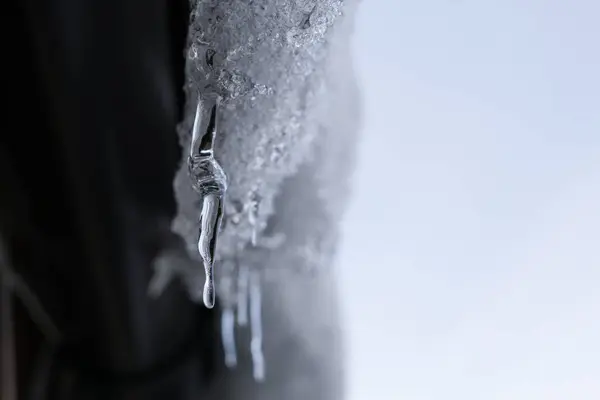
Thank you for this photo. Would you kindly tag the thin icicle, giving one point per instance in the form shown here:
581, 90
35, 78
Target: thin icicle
253, 205
226, 290
258, 359
242, 295
228, 336
210, 182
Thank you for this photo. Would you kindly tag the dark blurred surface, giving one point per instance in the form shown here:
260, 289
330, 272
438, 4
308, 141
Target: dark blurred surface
87, 159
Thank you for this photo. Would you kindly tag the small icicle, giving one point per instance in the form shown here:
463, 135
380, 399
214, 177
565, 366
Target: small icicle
258, 359
226, 291
242, 296
253, 217
210, 182
228, 337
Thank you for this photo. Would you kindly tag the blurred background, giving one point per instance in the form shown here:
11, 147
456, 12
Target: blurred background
470, 262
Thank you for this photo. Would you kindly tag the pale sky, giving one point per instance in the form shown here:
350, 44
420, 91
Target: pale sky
470, 266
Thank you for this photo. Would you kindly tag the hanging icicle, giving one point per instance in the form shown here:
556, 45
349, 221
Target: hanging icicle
253, 204
226, 290
258, 359
242, 295
210, 182
228, 336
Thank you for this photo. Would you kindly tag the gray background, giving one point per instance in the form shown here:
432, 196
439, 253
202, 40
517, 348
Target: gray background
470, 263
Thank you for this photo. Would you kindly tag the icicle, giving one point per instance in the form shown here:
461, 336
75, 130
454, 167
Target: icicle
210, 181
228, 336
253, 205
242, 296
258, 360
210, 219
226, 292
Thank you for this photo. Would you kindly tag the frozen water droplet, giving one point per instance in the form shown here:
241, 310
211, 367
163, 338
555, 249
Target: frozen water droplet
258, 359
242, 295
228, 337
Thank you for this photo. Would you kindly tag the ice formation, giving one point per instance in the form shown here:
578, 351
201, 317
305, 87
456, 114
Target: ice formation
265, 60
284, 98
210, 182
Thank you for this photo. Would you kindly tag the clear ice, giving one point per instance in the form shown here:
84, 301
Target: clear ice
210, 182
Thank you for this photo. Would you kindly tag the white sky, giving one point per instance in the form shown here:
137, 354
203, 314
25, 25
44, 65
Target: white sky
471, 258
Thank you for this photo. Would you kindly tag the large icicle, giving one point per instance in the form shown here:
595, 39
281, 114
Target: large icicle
208, 180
